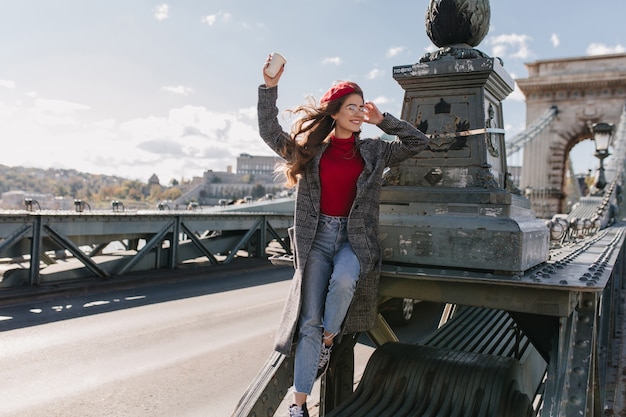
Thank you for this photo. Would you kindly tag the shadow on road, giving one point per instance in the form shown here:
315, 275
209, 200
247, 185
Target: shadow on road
36, 306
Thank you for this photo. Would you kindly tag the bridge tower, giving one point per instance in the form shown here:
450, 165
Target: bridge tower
585, 90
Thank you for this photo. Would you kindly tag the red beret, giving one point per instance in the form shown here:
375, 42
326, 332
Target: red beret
337, 91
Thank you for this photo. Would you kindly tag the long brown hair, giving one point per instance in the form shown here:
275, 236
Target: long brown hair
309, 132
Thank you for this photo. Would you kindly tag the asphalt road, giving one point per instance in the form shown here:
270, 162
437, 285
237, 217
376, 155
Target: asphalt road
172, 349
186, 349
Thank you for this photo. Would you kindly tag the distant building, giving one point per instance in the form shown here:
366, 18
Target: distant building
257, 165
252, 172
154, 180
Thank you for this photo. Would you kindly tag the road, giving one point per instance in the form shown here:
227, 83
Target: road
187, 349
184, 349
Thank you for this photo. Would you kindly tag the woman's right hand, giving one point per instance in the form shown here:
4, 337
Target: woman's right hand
271, 81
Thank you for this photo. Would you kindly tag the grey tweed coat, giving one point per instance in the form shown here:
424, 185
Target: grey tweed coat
362, 220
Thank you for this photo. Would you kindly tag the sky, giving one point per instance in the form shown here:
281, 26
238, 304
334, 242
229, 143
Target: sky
135, 88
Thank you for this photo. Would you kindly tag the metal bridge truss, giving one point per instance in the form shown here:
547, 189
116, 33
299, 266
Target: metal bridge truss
36, 244
520, 140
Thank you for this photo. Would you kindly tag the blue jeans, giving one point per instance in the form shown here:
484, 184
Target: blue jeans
328, 283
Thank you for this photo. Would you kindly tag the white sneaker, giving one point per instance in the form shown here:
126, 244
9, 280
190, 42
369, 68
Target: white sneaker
297, 411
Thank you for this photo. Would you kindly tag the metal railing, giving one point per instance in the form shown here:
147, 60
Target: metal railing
109, 244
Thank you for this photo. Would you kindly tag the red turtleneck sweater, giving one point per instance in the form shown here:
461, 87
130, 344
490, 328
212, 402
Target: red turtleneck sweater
340, 166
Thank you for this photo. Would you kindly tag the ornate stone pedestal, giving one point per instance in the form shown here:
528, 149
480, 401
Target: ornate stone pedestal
450, 205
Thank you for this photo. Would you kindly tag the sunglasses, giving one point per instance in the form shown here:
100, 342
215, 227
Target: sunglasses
354, 109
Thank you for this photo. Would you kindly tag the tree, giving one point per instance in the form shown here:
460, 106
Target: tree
258, 191
135, 194
171, 194
155, 193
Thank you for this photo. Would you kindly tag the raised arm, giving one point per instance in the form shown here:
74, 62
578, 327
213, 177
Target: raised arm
410, 139
270, 130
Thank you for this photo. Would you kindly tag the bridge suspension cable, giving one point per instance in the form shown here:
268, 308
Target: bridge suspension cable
521, 139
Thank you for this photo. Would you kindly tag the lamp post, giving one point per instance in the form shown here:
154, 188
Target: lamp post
602, 133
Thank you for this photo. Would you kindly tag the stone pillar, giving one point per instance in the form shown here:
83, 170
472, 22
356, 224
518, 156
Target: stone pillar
459, 104
450, 205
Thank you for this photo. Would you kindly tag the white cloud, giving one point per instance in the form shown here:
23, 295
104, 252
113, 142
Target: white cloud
161, 12
7, 83
185, 142
510, 45
211, 19
59, 106
191, 139
249, 112
555, 40
48, 112
6, 111
380, 100
178, 89
105, 124
252, 26
602, 49
517, 95
391, 52
375, 73
332, 60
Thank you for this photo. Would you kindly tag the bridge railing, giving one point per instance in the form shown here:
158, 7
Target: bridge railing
109, 244
602, 208
518, 141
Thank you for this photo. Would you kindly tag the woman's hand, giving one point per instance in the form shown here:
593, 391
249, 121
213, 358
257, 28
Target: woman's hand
374, 116
271, 81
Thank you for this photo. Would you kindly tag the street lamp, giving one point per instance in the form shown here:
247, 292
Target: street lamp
602, 133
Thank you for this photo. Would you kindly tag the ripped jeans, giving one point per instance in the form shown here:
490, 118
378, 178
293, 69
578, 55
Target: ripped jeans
328, 284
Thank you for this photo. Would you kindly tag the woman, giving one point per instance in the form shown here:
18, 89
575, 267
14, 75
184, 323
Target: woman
335, 235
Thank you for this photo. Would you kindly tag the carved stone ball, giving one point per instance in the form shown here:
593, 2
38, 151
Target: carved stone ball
452, 22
